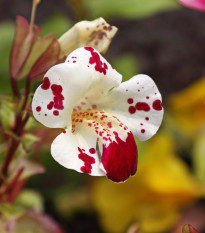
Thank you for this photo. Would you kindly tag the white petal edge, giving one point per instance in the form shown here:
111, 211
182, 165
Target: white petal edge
141, 89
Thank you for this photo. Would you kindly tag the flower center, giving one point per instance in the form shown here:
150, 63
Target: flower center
104, 124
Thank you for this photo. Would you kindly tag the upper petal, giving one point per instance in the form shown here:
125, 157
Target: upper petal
104, 76
85, 74
137, 103
64, 85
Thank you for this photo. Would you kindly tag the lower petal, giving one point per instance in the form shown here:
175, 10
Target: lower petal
117, 154
78, 151
119, 158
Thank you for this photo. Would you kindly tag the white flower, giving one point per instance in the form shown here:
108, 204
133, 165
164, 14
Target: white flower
98, 113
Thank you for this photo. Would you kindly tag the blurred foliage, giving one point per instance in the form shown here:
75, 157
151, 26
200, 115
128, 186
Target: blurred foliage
6, 38
57, 23
126, 65
30, 199
127, 9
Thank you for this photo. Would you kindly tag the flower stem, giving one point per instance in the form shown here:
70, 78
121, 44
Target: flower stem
20, 122
33, 12
14, 87
27, 92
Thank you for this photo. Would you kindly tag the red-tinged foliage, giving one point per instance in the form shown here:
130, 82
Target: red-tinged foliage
22, 45
37, 222
38, 48
48, 59
188, 228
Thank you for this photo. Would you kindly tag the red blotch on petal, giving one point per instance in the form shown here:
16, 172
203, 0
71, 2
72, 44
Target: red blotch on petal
95, 59
58, 97
120, 158
50, 105
142, 106
157, 105
92, 150
130, 101
46, 83
38, 108
88, 161
55, 113
132, 109
109, 124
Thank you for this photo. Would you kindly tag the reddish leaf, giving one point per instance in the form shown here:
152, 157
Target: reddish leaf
12, 183
37, 222
16, 190
38, 48
48, 59
22, 45
188, 228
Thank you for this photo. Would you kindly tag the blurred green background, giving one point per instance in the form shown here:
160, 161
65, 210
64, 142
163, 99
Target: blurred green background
166, 41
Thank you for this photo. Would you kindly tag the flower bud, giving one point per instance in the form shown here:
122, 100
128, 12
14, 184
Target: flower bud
97, 34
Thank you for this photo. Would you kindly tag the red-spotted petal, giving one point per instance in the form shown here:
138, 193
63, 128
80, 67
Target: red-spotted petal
117, 155
104, 76
137, 103
63, 87
78, 151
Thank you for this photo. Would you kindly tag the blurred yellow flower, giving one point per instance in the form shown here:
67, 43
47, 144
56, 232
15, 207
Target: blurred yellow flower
153, 198
188, 107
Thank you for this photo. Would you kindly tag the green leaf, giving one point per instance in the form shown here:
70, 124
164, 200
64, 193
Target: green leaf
126, 65
128, 9
7, 114
28, 140
6, 38
11, 211
30, 199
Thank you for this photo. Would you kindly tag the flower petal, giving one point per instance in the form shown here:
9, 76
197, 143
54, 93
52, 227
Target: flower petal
104, 76
137, 103
116, 146
64, 85
78, 151
195, 4
119, 158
